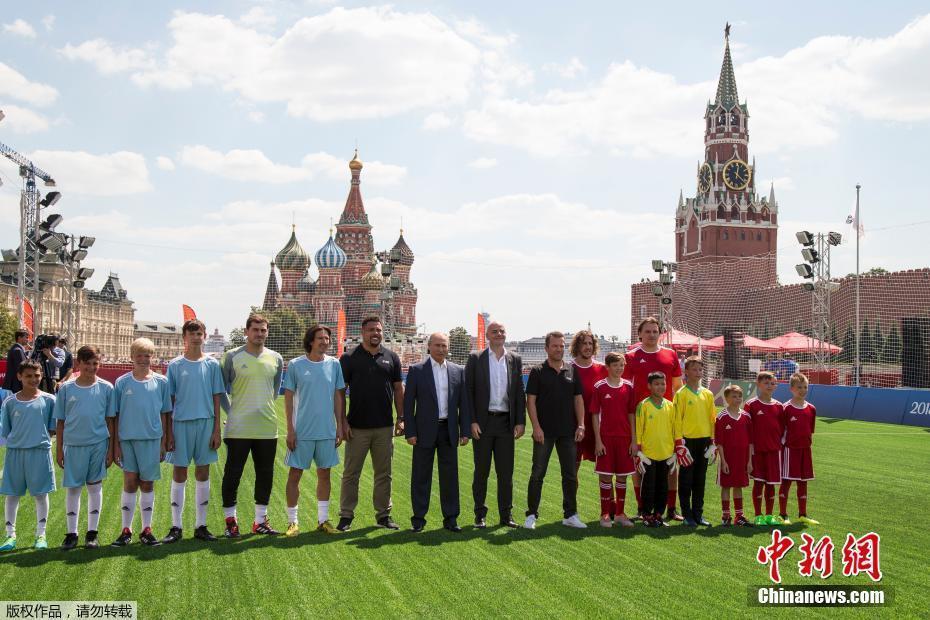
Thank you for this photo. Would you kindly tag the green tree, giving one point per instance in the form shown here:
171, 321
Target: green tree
459, 345
891, 354
874, 271
849, 346
286, 329
236, 338
878, 341
865, 343
8, 326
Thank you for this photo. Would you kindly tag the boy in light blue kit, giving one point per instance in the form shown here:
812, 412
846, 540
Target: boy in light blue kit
26, 422
196, 384
84, 410
143, 404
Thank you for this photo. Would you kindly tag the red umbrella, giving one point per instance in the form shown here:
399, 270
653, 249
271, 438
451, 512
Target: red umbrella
793, 342
716, 344
682, 341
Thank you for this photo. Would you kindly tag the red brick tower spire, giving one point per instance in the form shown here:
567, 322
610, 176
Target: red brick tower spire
271, 291
353, 235
404, 304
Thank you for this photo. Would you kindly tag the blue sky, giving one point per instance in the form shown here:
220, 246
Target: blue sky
535, 155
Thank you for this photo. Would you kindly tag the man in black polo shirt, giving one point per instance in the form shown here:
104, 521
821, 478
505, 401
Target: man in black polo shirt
372, 374
556, 408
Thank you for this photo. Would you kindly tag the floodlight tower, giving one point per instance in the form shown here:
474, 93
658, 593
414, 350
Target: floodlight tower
30, 206
663, 291
816, 267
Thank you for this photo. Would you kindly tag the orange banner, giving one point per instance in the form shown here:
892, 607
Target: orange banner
340, 333
188, 312
481, 344
28, 318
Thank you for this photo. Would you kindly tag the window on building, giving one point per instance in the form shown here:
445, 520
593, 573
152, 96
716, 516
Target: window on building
742, 236
642, 311
726, 235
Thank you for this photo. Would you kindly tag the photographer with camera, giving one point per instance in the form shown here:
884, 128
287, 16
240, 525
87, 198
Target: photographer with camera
46, 352
67, 368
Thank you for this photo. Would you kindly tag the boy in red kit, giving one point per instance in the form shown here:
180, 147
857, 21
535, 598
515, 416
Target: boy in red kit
768, 427
733, 436
797, 459
614, 430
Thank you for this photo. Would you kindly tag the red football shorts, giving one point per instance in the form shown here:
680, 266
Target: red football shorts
617, 460
797, 464
766, 466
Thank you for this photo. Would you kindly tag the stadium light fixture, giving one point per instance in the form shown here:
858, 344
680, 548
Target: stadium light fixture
85, 273
808, 286
78, 255
804, 270
834, 238
86, 242
810, 255
658, 266
50, 199
805, 238
386, 269
51, 222
8, 269
665, 278
78, 284
50, 242
666, 301
657, 290
10, 255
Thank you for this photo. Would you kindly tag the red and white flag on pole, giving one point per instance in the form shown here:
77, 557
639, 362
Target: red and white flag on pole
480, 344
340, 333
851, 220
28, 318
188, 312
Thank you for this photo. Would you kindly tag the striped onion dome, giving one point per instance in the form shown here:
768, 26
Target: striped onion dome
373, 279
330, 256
292, 256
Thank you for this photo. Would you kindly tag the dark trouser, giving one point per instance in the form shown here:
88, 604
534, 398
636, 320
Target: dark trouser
421, 479
565, 448
655, 487
691, 479
237, 453
497, 441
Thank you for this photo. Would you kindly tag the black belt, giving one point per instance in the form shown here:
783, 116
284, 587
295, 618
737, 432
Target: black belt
498, 413
444, 421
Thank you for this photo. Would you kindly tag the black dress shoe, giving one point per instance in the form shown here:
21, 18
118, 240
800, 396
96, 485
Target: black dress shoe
174, 535
509, 522
416, 529
70, 542
204, 534
480, 523
388, 523
452, 526
90, 539
703, 521
345, 524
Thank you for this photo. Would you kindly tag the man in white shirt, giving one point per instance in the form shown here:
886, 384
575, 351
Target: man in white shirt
436, 422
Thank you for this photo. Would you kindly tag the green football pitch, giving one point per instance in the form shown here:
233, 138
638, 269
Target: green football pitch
870, 477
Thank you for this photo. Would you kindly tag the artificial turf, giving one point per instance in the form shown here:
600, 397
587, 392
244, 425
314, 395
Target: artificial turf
870, 477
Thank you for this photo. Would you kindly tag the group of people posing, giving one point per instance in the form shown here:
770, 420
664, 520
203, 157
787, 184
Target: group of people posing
631, 415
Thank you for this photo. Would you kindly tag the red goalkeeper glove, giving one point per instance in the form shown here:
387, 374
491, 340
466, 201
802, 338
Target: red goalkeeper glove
682, 454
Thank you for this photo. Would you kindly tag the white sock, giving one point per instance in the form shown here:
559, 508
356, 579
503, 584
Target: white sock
261, 513
94, 502
12, 507
72, 508
41, 514
230, 511
322, 510
128, 508
147, 506
177, 502
292, 514
203, 500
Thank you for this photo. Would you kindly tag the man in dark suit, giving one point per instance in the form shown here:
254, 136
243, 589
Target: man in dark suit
436, 421
494, 384
14, 358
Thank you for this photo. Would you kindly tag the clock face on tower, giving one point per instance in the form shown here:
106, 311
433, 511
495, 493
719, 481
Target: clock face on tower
705, 175
736, 174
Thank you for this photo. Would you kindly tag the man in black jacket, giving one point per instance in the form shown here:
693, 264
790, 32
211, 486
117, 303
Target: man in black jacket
15, 357
494, 383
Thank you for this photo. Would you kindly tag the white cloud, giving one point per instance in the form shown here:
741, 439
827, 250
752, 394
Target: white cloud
23, 120
106, 58
164, 163
797, 100
20, 28
483, 162
14, 85
49, 22
571, 69
343, 64
112, 174
436, 121
254, 165
258, 17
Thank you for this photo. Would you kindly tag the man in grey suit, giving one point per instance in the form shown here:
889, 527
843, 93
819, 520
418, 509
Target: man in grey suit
436, 421
494, 384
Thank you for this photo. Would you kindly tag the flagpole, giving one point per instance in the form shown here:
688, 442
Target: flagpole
858, 225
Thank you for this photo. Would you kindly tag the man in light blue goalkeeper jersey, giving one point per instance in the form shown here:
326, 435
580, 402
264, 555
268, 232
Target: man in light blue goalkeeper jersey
26, 422
85, 411
196, 384
143, 404
252, 375
313, 404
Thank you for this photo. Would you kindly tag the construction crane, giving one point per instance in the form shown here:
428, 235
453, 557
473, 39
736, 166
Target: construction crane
30, 227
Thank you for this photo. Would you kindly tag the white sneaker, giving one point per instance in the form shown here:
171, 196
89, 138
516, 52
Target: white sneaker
530, 522
574, 521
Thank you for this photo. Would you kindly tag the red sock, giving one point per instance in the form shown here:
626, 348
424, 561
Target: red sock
802, 497
738, 505
639, 498
757, 487
769, 498
607, 498
620, 502
726, 508
783, 497
670, 500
